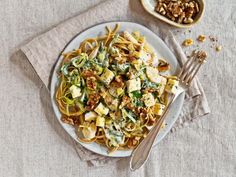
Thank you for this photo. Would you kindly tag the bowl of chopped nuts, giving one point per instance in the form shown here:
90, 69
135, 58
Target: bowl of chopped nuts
179, 13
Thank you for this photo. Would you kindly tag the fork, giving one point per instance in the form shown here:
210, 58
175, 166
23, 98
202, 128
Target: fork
187, 73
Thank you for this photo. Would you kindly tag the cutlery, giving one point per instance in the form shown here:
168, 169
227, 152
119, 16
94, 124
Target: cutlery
187, 73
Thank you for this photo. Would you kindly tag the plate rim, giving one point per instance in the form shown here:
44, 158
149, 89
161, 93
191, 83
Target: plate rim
52, 85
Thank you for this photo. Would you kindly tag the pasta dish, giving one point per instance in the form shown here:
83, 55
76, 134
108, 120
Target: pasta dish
111, 90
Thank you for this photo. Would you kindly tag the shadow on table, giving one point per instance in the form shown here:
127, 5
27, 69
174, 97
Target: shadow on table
20, 64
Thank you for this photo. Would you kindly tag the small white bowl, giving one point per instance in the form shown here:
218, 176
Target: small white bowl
149, 6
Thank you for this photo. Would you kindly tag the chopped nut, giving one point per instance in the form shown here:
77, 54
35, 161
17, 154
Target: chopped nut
163, 65
191, 4
188, 20
218, 48
130, 106
91, 83
124, 102
87, 73
67, 120
162, 11
92, 101
201, 55
201, 38
187, 42
164, 6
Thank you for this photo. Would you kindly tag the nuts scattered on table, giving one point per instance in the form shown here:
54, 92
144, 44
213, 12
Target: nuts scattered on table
187, 42
180, 11
218, 48
201, 38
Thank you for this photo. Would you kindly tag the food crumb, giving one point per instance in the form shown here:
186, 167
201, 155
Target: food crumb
218, 48
202, 55
213, 39
187, 42
201, 38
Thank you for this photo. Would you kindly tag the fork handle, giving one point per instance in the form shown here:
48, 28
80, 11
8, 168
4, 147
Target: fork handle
141, 153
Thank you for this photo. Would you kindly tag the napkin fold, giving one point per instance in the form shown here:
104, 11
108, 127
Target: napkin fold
43, 51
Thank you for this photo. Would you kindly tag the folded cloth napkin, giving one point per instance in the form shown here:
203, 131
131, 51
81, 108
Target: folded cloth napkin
43, 51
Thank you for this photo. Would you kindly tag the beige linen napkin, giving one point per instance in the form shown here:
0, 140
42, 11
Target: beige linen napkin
43, 51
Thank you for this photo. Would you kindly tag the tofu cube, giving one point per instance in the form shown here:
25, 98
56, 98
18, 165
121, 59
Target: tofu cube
172, 86
162, 86
107, 76
144, 56
89, 116
133, 85
101, 109
100, 121
158, 109
153, 75
148, 99
75, 91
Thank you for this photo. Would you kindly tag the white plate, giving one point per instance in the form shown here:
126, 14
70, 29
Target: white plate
162, 51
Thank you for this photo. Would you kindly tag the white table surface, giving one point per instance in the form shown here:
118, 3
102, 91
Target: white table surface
206, 148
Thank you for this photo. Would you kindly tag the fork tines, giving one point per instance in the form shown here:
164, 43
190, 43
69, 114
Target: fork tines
192, 66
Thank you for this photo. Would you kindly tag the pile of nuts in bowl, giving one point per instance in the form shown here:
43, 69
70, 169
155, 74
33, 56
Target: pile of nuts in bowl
179, 11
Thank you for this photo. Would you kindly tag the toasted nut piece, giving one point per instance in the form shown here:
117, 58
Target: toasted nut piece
162, 11
201, 38
188, 20
201, 55
91, 83
187, 42
181, 17
164, 6
218, 48
189, 12
158, 7
191, 4
176, 10
163, 65
196, 6
169, 15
